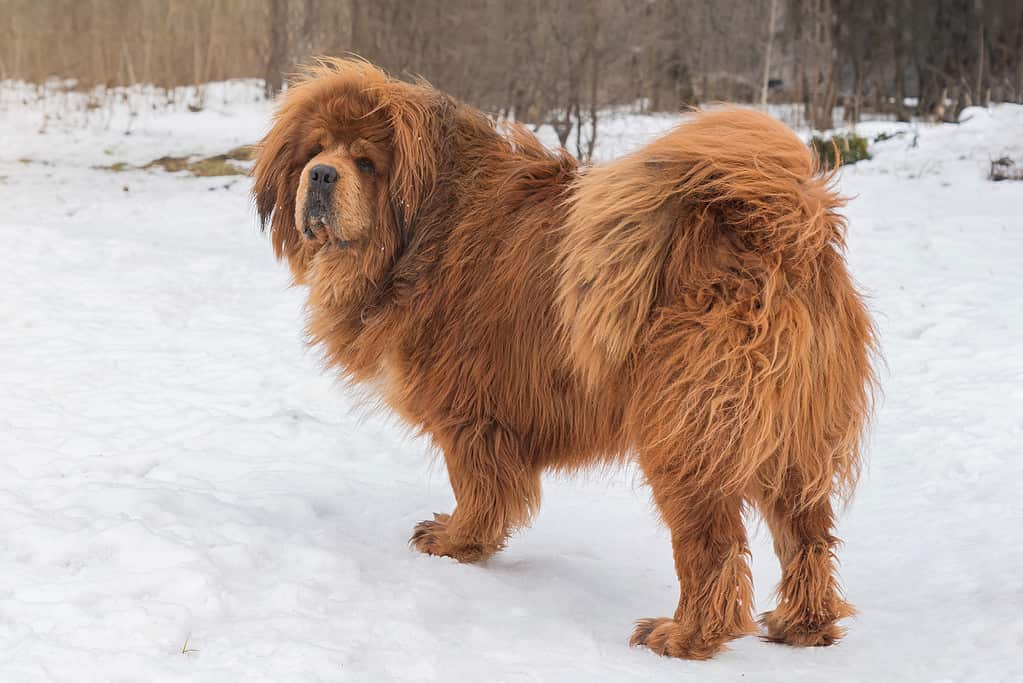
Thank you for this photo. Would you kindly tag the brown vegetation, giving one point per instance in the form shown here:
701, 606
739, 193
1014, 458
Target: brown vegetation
554, 62
216, 165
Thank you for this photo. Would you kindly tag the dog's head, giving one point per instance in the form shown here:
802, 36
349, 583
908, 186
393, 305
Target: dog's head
347, 169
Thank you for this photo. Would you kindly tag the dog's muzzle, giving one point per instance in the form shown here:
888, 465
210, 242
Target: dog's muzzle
319, 204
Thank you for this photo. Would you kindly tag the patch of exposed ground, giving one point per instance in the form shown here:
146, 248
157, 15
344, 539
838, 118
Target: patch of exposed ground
225, 164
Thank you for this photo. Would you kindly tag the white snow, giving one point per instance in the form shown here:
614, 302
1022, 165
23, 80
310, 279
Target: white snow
186, 495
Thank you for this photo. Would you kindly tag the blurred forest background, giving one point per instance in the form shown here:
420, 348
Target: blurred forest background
553, 61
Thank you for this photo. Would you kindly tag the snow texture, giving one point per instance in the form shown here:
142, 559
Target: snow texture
186, 495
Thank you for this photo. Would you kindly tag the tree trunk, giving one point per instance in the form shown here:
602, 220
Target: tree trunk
276, 62
767, 53
979, 91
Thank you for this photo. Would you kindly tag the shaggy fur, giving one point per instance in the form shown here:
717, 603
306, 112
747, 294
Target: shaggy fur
687, 306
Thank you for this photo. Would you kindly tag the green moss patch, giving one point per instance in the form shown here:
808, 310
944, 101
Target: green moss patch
840, 149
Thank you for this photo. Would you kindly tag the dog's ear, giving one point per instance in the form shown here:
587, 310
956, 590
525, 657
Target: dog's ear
419, 118
276, 176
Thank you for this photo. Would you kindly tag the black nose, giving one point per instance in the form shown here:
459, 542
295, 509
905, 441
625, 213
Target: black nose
322, 176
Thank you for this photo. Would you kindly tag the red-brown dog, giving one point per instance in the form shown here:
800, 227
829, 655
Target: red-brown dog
687, 305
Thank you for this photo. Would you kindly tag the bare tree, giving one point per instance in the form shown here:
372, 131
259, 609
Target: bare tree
554, 61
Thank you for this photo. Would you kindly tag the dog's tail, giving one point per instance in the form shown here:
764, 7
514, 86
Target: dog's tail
733, 180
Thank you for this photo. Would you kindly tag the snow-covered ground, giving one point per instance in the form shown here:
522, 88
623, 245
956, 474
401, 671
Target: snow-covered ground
185, 495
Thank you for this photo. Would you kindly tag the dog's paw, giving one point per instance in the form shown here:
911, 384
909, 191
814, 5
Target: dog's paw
431, 537
669, 638
800, 633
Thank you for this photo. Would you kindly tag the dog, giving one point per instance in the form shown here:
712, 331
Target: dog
687, 307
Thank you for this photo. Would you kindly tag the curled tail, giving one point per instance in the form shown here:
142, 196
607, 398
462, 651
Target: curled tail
734, 174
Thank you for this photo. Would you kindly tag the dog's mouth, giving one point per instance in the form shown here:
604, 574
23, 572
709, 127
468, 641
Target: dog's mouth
317, 229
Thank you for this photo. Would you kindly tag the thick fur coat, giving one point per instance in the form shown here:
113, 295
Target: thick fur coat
687, 306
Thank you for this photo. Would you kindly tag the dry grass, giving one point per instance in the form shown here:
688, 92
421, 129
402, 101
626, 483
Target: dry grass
203, 167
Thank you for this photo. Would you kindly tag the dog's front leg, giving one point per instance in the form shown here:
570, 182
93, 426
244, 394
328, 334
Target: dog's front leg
496, 487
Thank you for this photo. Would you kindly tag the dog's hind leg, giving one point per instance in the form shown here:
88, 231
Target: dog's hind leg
694, 422
709, 543
496, 491
809, 599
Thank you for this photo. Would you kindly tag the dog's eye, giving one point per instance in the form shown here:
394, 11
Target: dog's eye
365, 164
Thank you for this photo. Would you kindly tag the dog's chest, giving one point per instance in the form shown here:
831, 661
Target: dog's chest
391, 384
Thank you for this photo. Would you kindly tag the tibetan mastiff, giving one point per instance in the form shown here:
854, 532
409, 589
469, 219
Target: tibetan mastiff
687, 306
